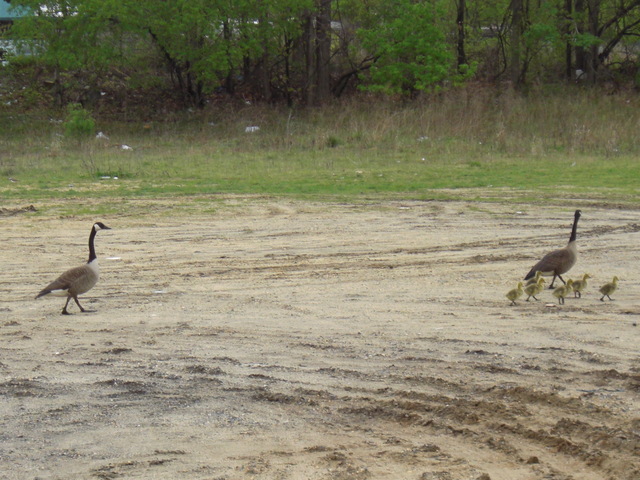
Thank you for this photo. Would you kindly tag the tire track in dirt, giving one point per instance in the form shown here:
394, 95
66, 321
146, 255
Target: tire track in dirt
313, 343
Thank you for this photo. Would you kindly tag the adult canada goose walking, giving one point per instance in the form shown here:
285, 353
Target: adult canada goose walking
608, 288
78, 280
559, 261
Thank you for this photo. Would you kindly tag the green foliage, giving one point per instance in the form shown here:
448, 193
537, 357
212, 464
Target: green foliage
204, 42
70, 35
78, 124
333, 141
410, 48
276, 48
585, 40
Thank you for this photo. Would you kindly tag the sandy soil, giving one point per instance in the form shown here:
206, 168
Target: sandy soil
281, 340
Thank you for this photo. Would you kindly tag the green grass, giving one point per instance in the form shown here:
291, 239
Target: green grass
526, 150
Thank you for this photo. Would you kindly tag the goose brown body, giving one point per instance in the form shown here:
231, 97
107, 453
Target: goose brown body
558, 261
77, 280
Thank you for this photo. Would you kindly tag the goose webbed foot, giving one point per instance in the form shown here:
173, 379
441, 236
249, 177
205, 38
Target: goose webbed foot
79, 306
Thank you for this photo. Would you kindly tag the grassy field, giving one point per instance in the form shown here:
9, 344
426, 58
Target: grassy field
476, 145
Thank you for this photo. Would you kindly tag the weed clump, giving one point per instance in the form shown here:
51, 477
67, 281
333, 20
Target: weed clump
78, 124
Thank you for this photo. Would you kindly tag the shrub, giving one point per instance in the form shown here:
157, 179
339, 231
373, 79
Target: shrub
79, 123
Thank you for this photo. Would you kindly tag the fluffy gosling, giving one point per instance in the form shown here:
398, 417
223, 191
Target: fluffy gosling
534, 289
608, 288
515, 293
579, 285
535, 279
561, 292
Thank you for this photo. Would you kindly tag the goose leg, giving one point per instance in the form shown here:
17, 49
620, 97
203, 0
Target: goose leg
64, 310
555, 275
78, 303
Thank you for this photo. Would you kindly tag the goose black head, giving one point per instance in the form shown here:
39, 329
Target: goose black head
100, 226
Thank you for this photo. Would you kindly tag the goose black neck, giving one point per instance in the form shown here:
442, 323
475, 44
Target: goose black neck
92, 249
575, 227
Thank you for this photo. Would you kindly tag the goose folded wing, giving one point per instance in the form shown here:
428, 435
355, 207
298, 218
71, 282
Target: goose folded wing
65, 281
551, 263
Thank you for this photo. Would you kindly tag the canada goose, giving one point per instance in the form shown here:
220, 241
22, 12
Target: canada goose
562, 291
559, 261
534, 279
534, 289
608, 288
515, 293
78, 280
579, 285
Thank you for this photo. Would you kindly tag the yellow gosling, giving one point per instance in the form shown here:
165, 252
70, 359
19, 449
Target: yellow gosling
535, 288
535, 279
580, 285
561, 292
515, 294
608, 288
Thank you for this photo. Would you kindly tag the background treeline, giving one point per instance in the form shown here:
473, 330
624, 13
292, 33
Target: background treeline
190, 52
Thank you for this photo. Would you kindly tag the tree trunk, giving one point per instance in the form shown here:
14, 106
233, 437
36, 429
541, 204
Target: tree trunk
229, 82
516, 42
462, 56
58, 89
265, 77
323, 51
308, 42
581, 66
594, 25
288, 87
568, 53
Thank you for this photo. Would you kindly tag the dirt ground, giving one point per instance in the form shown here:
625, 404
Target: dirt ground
275, 339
